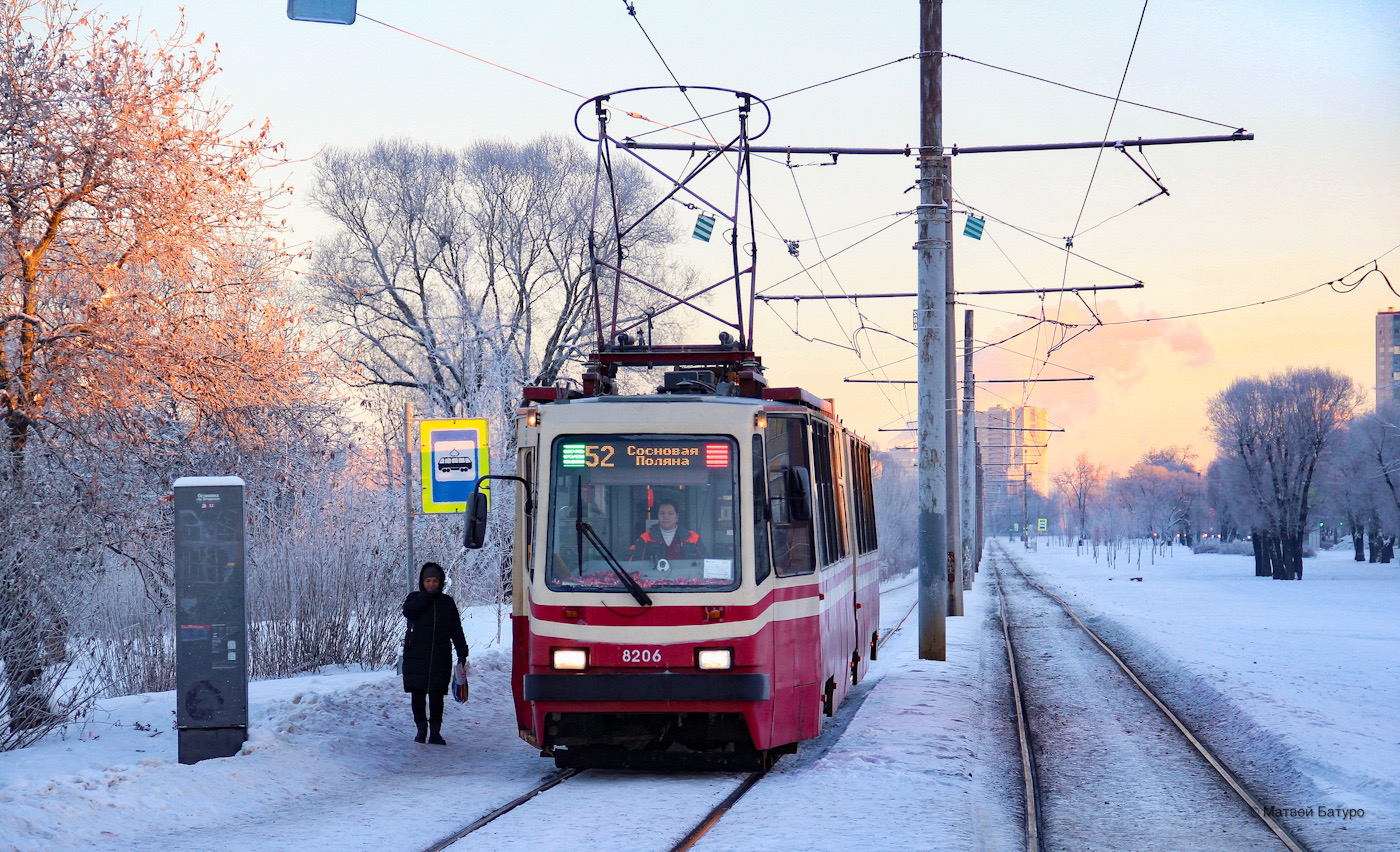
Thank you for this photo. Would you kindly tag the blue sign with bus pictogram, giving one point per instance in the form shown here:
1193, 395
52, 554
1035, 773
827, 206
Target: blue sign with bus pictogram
453, 456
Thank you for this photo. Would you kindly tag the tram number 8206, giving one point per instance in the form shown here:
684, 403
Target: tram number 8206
641, 655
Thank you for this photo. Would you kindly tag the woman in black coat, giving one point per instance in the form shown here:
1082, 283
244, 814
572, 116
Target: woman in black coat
434, 626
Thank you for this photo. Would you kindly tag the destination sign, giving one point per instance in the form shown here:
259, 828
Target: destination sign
643, 453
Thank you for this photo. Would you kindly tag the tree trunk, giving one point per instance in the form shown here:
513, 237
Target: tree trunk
1358, 540
1261, 558
1274, 548
25, 697
1289, 553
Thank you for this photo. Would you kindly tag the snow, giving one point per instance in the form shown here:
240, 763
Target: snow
1293, 682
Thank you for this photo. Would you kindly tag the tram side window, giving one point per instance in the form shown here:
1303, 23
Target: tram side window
833, 545
857, 494
762, 558
839, 467
793, 551
864, 499
873, 530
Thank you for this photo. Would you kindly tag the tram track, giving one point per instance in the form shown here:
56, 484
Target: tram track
549, 782
697, 832
1035, 829
723, 807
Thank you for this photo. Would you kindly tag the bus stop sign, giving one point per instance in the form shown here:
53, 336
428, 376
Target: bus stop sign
454, 455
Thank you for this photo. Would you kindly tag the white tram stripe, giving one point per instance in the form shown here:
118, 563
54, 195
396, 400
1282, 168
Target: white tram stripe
668, 633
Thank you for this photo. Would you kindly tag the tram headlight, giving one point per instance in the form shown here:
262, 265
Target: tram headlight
714, 658
570, 659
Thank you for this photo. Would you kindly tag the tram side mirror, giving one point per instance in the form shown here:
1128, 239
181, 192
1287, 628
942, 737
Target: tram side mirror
799, 495
476, 521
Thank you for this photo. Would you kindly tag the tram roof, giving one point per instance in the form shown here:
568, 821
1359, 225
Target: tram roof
783, 396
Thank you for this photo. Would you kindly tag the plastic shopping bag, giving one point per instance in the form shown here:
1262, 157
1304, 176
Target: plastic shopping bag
459, 682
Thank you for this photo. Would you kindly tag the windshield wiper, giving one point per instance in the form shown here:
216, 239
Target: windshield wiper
632, 585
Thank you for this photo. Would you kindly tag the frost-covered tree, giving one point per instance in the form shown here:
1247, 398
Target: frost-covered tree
137, 263
1275, 429
1079, 485
895, 486
460, 276
1159, 501
1364, 481
139, 314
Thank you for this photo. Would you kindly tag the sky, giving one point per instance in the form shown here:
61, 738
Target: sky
1312, 198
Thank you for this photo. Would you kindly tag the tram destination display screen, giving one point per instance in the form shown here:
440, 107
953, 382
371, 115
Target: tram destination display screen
639, 453
660, 507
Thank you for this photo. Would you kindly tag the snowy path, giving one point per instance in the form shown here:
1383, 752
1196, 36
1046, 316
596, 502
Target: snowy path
913, 767
1113, 771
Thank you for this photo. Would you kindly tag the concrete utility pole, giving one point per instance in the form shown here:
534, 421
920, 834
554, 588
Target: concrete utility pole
956, 565
968, 459
933, 217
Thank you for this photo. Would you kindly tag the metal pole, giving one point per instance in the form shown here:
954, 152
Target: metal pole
933, 215
968, 458
1025, 513
408, 492
956, 582
980, 538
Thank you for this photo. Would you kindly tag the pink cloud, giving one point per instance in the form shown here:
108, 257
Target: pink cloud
1118, 354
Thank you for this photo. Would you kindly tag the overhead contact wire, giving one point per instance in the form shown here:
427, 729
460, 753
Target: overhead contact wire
1087, 91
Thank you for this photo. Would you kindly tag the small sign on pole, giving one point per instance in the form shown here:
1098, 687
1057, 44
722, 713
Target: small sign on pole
1040, 525
454, 455
704, 226
974, 226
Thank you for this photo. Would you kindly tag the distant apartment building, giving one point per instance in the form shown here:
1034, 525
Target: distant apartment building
1014, 443
1388, 357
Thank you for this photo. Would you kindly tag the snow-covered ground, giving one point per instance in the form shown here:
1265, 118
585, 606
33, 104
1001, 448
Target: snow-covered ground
1296, 684
1296, 681
330, 764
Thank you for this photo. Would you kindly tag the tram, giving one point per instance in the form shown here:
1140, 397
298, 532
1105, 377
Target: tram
696, 571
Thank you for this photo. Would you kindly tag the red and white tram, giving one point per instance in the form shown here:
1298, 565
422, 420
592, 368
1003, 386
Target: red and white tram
699, 586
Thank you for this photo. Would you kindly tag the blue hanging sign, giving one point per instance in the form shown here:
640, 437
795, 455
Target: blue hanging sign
704, 226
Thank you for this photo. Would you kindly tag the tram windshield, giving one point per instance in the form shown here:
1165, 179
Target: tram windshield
661, 506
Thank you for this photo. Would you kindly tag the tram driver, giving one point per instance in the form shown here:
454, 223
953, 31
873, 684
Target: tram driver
669, 541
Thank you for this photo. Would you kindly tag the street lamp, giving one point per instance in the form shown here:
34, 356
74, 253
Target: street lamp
322, 11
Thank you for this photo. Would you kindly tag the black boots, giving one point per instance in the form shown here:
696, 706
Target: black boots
435, 738
422, 733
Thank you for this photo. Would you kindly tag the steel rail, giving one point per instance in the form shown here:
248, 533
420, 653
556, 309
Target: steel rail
716, 813
553, 780
1283, 834
686, 842
723, 807
895, 629
1034, 836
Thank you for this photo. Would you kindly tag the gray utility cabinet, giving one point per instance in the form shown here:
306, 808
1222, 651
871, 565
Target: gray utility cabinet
211, 660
